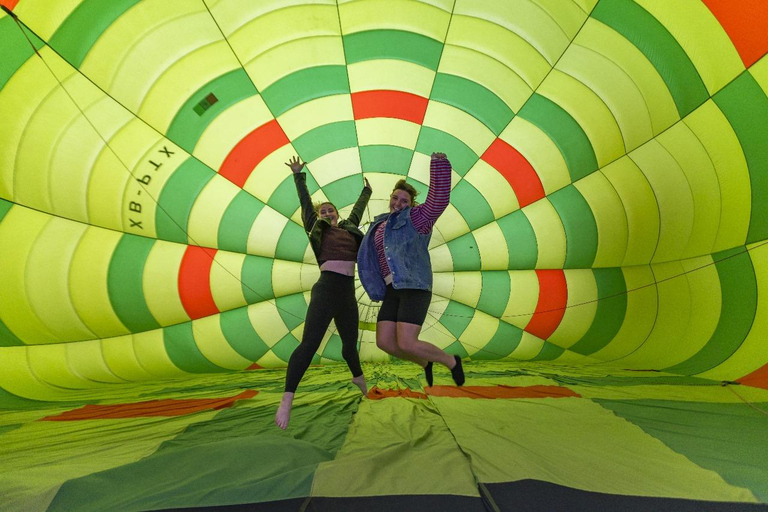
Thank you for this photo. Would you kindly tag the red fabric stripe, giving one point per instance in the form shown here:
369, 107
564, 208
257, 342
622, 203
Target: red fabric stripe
745, 22
757, 379
10, 4
553, 297
251, 150
195, 282
516, 170
170, 407
396, 104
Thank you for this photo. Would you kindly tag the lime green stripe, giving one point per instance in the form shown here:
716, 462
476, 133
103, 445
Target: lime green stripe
16, 48
256, 279
124, 283
522, 245
79, 32
458, 348
565, 132
386, 159
345, 190
292, 243
739, 290
431, 140
188, 126
177, 198
240, 334
285, 347
611, 310
326, 139
580, 227
745, 105
283, 198
332, 349
471, 205
305, 85
5, 207
292, 309
393, 44
180, 345
237, 221
456, 317
504, 342
660, 47
474, 99
464, 253
549, 352
495, 292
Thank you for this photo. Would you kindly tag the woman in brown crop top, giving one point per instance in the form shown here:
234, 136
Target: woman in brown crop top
335, 243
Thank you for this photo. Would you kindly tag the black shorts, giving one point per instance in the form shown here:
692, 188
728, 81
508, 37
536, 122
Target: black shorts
406, 305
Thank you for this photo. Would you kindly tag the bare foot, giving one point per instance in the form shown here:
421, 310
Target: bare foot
359, 381
283, 415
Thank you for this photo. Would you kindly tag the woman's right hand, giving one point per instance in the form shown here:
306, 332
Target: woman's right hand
438, 156
295, 164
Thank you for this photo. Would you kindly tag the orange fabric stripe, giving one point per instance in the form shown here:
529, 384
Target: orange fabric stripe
756, 379
251, 150
395, 104
377, 393
10, 4
516, 170
745, 22
170, 407
553, 297
503, 392
195, 282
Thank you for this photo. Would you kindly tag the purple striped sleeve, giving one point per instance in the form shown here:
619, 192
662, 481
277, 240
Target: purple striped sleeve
425, 215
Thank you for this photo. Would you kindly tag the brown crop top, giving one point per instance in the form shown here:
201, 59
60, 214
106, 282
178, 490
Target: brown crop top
337, 244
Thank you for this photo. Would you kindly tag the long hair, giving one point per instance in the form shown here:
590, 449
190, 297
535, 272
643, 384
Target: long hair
403, 185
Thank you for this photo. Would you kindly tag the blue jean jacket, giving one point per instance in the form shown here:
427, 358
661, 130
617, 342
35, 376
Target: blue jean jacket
407, 256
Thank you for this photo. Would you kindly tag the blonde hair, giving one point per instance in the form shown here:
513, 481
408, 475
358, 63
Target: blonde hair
317, 206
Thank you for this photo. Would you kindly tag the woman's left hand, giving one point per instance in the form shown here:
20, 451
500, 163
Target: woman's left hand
367, 185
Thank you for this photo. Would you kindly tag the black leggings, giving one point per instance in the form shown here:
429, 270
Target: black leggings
333, 297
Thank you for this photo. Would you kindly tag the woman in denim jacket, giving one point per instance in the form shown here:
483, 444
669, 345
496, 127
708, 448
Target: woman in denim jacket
335, 243
394, 266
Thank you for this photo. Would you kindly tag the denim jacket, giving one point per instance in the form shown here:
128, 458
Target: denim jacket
407, 256
315, 225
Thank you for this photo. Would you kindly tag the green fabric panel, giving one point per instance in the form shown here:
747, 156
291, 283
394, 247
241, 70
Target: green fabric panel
285, 347
79, 32
292, 243
611, 310
124, 283
504, 342
177, 198
464, 253
580, 227
617, 381
332, 349
393, 44
238, 457
305, 85
387, 159
457, 349
7, 338
326, 139
461, 156
471, 205
564, 131
11, 402
188, 126
8, 428
16, 48
292, 309
549, 352
660, 47
474, 99
495, 292
728, 439
240, 334
256, 279
739, 306
521, 240
745, 105
344, 191
284, 199
237, 221
5, 207
180, 345
456, 317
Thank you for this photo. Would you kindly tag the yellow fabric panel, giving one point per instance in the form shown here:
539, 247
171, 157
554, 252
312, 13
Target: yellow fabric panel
642, 307
265, 232
605, 41
288, 278
568, 15
589, 110
210, 339
674, 197
87, 360
315, 113
482, 69
442, 282
580, 310
208, 209
695, 163
417, 17
48, 282
45, 16
231, 16
529, 347
494, 188
266, 320
523, 297
388, 131
18, 378
419, 170
160, 283
452, 224
479, 332
500, 43
467, 287
269, 174
461, 125
49, 363
724, 150
120, 356
19, 232
550, 233
390, 75
433, 331
226, 286
442, 260
492, 245
586, 5
677, 392
640, 209
337, 165
608, 210
702, 37
88, 282
152, 356
293, 56
759, 72
540, 151
228, 128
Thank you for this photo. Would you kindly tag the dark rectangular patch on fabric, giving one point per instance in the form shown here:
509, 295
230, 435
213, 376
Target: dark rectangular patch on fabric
205, 104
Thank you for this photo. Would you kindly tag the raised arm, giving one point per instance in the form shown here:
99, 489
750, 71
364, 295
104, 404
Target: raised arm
308, 214
425, 215
362, 202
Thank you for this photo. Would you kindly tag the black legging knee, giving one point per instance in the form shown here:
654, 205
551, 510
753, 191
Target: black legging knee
332, 298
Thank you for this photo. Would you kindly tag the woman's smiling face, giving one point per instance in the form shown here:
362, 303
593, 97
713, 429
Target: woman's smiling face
399, 200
